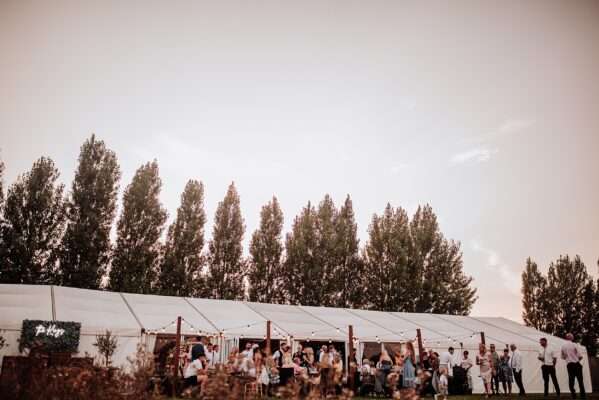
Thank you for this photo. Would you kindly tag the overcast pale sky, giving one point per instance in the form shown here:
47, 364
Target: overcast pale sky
489, 111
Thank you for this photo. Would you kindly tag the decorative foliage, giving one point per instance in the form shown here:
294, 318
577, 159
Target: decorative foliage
106, 344
50, 336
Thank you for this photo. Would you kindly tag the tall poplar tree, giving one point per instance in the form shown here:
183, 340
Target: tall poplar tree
139, 228
436, 269
91, 209
181, 267
348, 271
326, 254
33, 226
265, 274
534, 296
386, 255
303, 273
227, 268
567, 281
410, 266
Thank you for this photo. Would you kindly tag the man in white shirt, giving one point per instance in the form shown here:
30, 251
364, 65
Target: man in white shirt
212, 356
572, 357
446, 360
209, 352
516, 365
548, 359
248, 352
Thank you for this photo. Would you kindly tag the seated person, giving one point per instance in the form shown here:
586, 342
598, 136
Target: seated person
194, 375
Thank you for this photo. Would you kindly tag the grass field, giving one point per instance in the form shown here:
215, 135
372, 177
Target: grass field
535, 396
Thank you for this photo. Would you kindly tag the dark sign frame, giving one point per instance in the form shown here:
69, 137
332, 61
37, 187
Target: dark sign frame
50, 336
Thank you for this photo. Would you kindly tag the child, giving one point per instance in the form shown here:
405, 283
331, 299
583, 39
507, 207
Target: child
443, 385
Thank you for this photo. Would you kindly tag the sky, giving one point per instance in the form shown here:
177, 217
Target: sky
488, 111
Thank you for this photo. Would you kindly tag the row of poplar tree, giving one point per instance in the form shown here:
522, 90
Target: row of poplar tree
47, 237
565, 299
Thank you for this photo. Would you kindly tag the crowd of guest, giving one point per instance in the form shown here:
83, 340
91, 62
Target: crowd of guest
384, 374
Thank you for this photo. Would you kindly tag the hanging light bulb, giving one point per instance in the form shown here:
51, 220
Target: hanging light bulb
338, 330
312, 333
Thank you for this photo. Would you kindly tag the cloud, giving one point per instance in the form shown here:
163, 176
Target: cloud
508, 127
509, 278
476, 155
514, 125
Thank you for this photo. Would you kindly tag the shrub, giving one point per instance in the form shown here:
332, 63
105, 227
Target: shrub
106, 344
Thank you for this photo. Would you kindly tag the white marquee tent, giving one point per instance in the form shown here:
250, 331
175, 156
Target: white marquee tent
135, 319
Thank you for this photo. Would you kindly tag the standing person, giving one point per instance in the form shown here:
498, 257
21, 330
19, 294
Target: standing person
494, 376
337, 373
409, 366
548, 359
209, 354
215, 355
248, 352
516, 364
485, 361
198, 350
324, 352
504, 372
299, 353
286, 372
383, 369
467, 364
572, 357
443, 384
446, 360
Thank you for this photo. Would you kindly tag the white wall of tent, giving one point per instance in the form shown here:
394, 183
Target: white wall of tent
137, 319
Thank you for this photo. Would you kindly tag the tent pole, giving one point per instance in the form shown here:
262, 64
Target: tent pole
351, 365
420, 348
268, 338
176, 356
482, 338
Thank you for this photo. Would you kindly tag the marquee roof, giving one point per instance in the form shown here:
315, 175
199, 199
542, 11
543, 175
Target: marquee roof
127, 314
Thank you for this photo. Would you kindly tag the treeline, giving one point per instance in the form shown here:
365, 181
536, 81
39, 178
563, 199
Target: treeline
566, 299
47, 237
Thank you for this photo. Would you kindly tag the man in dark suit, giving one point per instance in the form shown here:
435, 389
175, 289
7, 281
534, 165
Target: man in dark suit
198, 350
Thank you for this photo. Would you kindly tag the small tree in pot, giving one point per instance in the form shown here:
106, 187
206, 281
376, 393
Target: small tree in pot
106, 344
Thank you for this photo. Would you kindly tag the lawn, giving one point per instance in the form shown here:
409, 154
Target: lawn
535, 396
